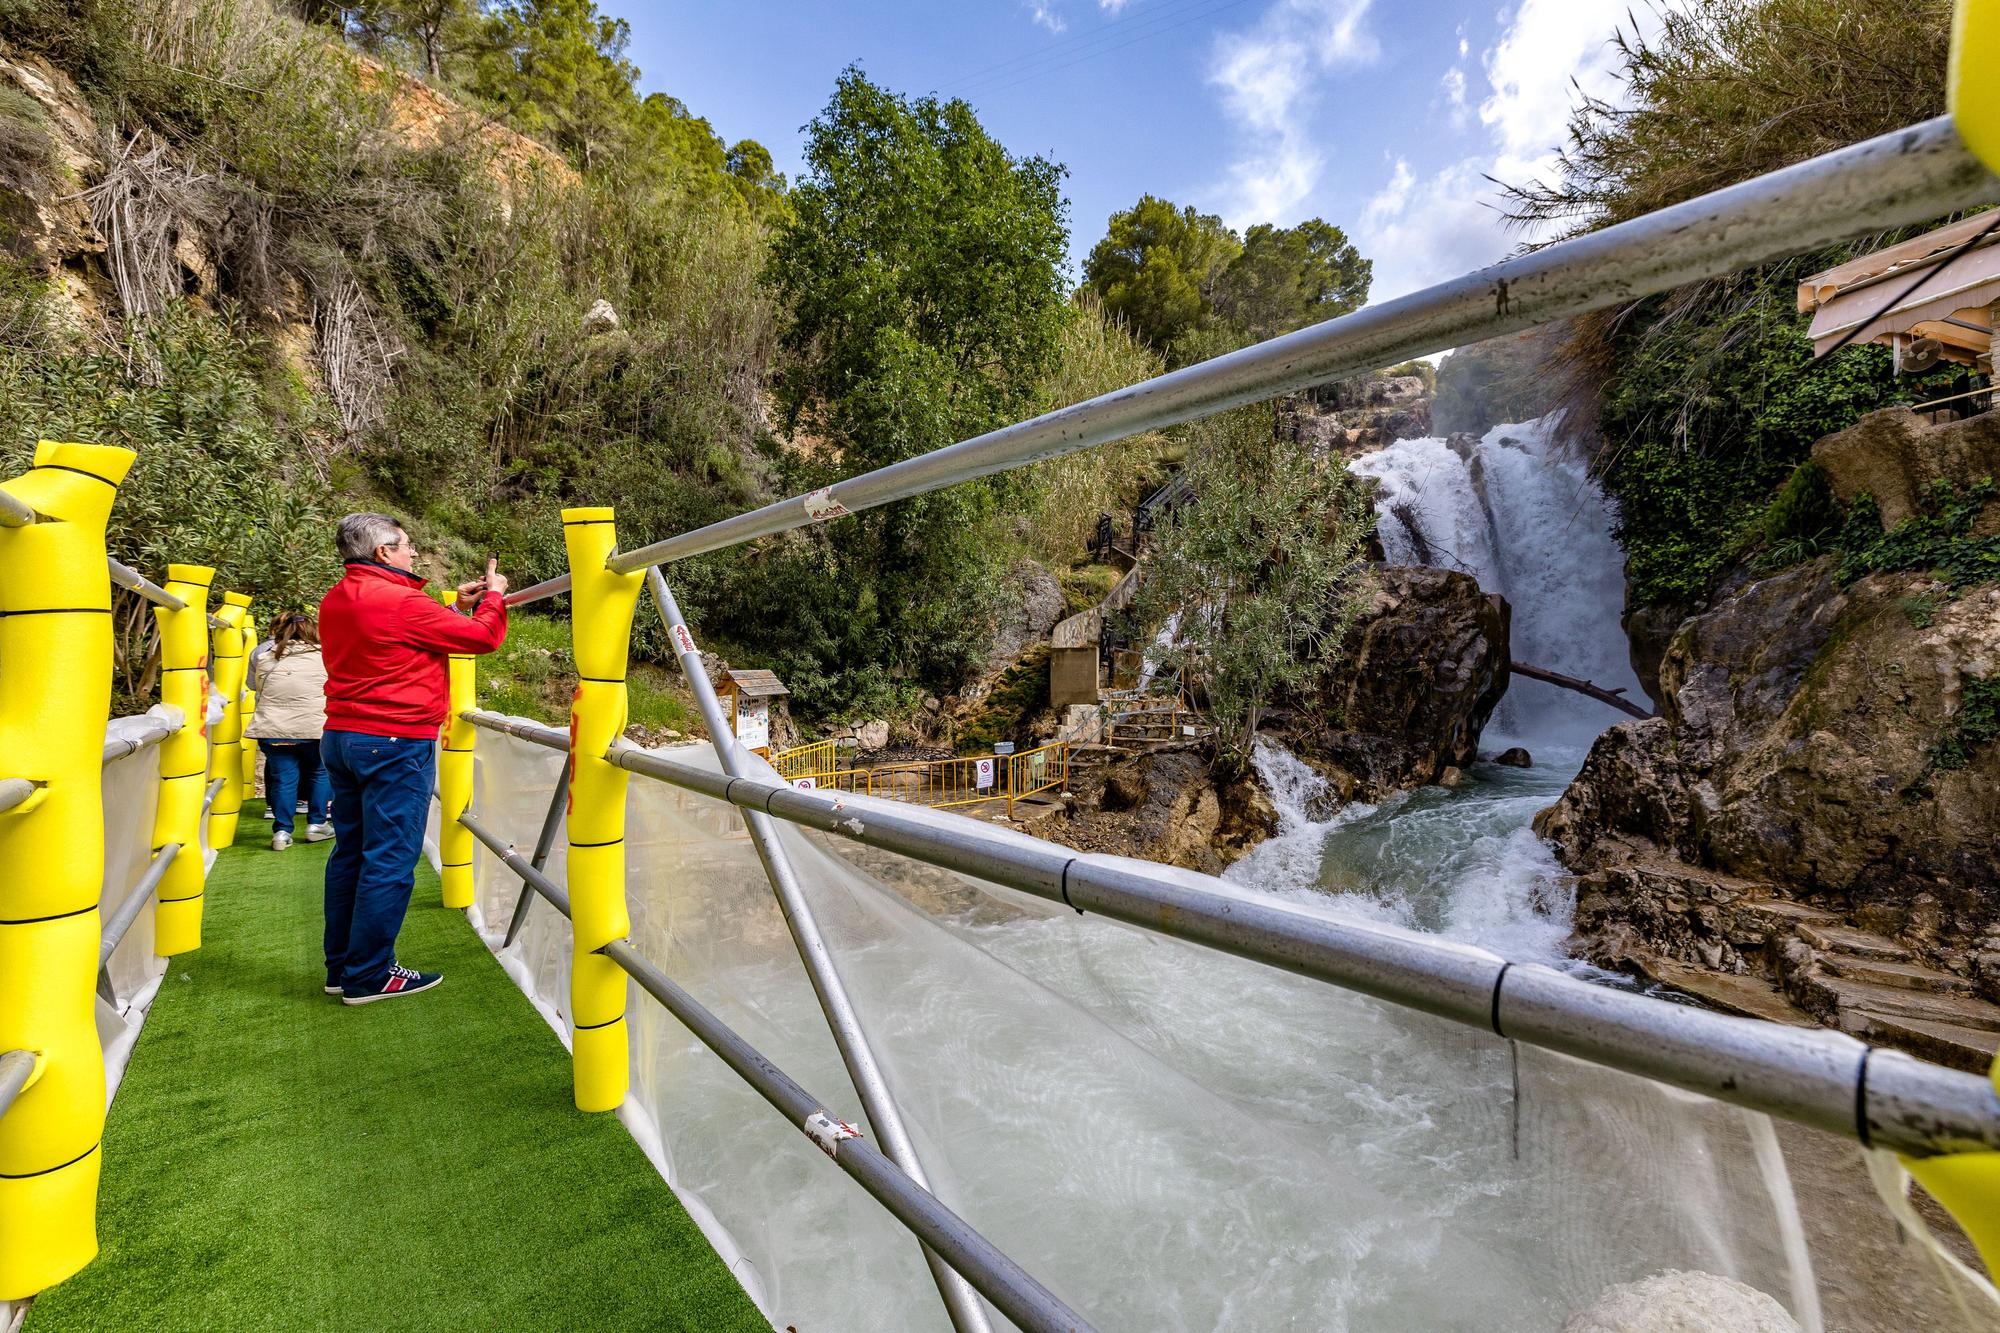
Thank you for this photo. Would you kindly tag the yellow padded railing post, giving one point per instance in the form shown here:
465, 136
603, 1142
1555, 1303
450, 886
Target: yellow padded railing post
455, 780
249, 710
226, 666
55, 694
601, 609
183, 759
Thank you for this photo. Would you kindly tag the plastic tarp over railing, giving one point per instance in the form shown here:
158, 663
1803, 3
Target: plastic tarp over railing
1173, 1138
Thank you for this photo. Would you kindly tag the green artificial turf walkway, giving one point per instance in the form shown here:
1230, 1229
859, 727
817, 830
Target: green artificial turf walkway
278, 1160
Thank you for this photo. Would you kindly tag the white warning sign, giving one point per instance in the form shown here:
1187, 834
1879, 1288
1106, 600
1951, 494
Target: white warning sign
983, 773
806, 784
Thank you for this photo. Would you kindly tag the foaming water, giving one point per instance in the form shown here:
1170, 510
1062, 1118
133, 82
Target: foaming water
1461, 863
1520, 514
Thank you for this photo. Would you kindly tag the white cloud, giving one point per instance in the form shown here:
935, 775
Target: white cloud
1423, 230
1454, 95
1113, 7
1044, 14
1268, 77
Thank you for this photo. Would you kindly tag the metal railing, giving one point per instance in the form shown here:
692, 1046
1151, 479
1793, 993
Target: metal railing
1817, 1077
800, 761
1031, 772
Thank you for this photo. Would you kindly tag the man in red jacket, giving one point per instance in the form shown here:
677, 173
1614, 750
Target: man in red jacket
384, 641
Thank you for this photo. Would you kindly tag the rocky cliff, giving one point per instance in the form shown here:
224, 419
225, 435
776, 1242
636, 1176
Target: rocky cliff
1816, 808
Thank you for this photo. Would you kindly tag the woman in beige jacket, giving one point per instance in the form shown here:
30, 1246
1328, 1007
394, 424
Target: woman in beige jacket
291, 713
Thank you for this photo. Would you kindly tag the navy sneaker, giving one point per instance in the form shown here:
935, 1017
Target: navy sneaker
401, 981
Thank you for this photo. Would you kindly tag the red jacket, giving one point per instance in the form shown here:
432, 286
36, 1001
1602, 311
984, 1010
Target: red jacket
384, 641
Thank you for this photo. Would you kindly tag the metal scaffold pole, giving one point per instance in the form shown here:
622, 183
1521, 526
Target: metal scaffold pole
961, 1301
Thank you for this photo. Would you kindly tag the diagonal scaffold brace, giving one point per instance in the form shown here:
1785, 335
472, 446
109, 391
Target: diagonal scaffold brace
968, 1313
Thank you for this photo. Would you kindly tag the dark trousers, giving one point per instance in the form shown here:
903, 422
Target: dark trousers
291, 767
381, 799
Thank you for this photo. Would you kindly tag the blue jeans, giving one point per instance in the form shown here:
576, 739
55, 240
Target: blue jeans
291, 767
381, 799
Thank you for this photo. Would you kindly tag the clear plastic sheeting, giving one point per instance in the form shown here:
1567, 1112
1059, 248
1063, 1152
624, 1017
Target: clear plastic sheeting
1169, 1137
131, 791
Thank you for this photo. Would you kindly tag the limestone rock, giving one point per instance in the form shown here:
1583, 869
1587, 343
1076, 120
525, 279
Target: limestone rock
1515, 757
1796, 749
1894, 454
1426, 664
600, 318
1038, 606
1677, 1301
872, 735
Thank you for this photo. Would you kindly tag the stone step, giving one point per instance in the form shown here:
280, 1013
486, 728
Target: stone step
1744, 995
1859, 1002
1970, 1049
1907, 976
1848, 940
1784, 914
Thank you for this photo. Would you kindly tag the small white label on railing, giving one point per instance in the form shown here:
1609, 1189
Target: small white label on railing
820, 504
827, 1132
683, 638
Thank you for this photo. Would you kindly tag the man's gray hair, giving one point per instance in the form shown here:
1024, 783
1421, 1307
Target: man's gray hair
359, 534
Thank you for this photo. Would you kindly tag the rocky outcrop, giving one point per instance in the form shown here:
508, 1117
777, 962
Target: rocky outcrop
1423, 669
1166, 805
1360, 415
1894, 454
1035, 607
1799, 776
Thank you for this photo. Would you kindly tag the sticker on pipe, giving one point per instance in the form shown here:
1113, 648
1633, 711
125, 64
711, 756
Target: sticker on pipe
820, 505
827, 1132
683, 638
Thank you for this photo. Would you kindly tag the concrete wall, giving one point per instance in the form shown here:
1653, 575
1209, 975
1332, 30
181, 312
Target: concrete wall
1073, 676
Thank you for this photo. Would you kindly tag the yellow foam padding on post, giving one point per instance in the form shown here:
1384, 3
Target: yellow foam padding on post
249, 709
183, 759
55, 690
602, 604
1968, 1185
455, 778
226, 664
1973, 83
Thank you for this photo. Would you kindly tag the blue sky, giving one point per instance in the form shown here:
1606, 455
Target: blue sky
1379, 117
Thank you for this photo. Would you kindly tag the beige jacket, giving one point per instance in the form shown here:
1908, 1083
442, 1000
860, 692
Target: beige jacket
291, 696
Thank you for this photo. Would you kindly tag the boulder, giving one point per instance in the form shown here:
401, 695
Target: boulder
1423, 668
872, 735
1895, 454
1515, 757
1038, 605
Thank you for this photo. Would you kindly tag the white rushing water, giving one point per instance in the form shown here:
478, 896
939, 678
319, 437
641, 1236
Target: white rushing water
1523, 517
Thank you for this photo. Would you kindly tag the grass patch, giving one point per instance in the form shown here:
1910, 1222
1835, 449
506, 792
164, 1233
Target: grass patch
276, 1160
1021, 692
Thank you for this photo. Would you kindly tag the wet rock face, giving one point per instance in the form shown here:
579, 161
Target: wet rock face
1167, 806
1797, 750
1425, 667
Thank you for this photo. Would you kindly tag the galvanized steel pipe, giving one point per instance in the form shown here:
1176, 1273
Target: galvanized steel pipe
158, 730
857, 1054
127, 577
128, 911
15, 1069
1910, 176
1009, 1286
14, 791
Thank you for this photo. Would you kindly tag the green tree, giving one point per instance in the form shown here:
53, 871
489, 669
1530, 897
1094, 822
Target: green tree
1262, 575
1706, 398
1157, 267
557, 69
920, 273
1289, 277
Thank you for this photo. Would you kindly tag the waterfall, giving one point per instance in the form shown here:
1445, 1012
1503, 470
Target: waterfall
1519, 514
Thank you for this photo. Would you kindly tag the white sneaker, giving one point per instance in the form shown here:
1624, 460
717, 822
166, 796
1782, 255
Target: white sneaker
318, 832
280, 840
267, 813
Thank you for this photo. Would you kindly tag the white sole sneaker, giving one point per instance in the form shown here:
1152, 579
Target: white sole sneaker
318, 832
280, 841
392, 994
